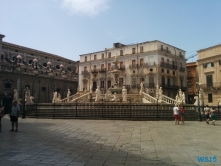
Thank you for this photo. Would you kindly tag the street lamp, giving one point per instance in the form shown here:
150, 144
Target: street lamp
23, 114
198, 104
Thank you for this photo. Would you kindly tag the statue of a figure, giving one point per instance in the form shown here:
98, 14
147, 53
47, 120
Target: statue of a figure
183, 98
55, 96
196, 102
59, 97
124, 94
91, 88
157, 90
98, 94
180, 94
15, 98
115, 98
160, 93
107, 97
176, 98
141, 88
68, 95
28, 97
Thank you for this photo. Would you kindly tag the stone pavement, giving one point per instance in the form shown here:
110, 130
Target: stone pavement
75, 142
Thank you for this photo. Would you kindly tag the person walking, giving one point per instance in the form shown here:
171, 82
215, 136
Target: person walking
207, 113
2, 114
213, 115
176, 114
181, 113
14, 115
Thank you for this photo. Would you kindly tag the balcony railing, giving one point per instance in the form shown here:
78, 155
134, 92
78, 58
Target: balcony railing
94, 71
168, 86
122, 68
181, 69
165, 50
168, 65
102, 70
150, 85
133, 66
85, 72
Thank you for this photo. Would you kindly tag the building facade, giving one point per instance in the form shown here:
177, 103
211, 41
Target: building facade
151, 62
191, 81
209, 68
43, 73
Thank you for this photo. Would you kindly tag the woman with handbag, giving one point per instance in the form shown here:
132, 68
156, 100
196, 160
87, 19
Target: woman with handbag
2, 114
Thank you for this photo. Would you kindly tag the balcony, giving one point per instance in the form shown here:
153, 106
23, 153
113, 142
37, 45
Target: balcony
165, 50
94, 71
150, 85
85, 72
182, 69
134, 66
168, 86
102, 70
122, 68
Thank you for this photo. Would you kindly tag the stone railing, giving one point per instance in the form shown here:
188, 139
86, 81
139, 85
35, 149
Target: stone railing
81, 99
168, 100
151, 99
65, 100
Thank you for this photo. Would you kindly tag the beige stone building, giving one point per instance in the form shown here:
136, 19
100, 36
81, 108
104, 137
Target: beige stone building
43, 73
209, 68
152, 62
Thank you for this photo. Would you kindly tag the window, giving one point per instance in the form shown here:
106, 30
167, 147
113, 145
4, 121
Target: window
161, 47
102, 56
121, 52
95, 67
108, 84
102, 84
209, 81
168, 81
43, 89
133, 50
162, 70
210, 98
102, 67
95, 57
141, 79
168, 61
174, 73
45, 64
85, 59
167, 49
109, 66
134, 81
141, 49
168, 71
57, 67
133, 63
181, 64
163, 81
181, 82
7, 85
174, 81
121, 81
162, 60
180, 54
85, 69
109, 54
30, 61
121, 65
141, 62
211, 64
151, 79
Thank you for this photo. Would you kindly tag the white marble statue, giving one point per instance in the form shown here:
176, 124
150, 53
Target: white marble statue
68, 95
219, 101
28, 97
59, 97
91, 88
141, 88
157, 90
124, 94
98, 94
160, 94
55, 97
15, 97
115, 98
183, 98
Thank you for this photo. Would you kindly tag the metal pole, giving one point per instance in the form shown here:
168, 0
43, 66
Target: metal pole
157, 108
199, 113
23, 115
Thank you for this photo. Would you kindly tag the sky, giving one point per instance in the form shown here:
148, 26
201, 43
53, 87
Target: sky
69, 28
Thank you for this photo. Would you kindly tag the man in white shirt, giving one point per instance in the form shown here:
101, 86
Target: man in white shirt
176, 114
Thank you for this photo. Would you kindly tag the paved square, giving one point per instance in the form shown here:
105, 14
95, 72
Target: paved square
76, 142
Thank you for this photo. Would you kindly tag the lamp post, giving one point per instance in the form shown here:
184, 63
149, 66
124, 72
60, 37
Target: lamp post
23, 115
198, 104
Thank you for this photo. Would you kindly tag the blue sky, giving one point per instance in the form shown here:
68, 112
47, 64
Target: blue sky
72, 27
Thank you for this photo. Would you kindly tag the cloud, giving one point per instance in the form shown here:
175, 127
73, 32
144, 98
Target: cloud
86, 7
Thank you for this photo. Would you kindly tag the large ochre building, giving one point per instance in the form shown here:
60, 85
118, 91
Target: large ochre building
43, 73
209, 68
152, 63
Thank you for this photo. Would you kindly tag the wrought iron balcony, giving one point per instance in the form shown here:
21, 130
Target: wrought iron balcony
181, 69
122, 68
94, 71
102, 70
85, 72
168, 86
135, 66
